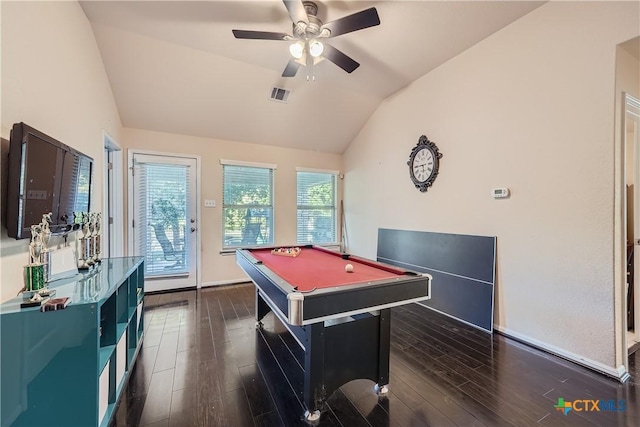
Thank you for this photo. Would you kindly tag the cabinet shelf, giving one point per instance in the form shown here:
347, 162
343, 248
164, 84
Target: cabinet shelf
132, 312
104, 356
120, 329
95, 339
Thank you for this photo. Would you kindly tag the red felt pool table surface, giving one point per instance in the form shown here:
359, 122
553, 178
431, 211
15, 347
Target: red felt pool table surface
319, 268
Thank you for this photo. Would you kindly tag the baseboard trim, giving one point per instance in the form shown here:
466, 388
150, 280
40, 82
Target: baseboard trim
480, 328
224, 282
170, 291
620, 373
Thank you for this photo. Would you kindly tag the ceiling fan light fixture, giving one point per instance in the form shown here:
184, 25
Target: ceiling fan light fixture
296, 49
304, 41
315, 48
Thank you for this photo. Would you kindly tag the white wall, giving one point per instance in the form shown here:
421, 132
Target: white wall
530, 108
52, 79
217, 268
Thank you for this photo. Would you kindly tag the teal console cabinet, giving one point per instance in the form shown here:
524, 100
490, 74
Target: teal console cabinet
68, 367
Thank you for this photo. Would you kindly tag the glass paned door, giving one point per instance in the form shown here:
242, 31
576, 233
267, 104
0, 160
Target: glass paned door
164, 219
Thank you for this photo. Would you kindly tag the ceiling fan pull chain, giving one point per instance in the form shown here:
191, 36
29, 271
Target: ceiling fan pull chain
310, 68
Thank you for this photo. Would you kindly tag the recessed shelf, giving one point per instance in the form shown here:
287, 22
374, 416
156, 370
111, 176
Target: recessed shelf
105, 355
120, 329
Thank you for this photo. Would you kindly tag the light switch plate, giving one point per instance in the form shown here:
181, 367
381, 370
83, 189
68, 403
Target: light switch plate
209, 203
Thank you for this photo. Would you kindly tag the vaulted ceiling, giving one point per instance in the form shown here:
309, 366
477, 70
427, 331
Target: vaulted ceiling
175, 66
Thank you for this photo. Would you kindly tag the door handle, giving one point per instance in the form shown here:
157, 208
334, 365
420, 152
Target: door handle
193, 229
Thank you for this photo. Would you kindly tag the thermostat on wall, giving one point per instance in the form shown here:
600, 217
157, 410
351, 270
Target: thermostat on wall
500, 193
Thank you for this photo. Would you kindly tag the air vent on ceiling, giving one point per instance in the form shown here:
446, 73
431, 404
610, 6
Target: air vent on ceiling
279, 94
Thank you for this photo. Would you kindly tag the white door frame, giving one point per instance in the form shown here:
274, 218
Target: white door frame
130, 215
632, 111
113, 200
621, 346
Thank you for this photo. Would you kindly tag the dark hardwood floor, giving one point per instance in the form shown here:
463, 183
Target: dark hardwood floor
203, 363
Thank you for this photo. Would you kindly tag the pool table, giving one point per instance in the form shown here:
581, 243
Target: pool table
341, 319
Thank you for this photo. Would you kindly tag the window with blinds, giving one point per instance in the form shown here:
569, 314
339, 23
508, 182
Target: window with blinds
161, 212
247, 206
316, 194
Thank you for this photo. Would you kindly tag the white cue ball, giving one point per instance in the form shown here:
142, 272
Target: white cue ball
348, 268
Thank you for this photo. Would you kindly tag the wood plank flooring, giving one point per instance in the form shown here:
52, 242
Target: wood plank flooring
203, 363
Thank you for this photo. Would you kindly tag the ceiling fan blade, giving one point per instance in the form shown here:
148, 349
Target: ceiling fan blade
291, 69
357, 21
296, 11
340, 59
259, 35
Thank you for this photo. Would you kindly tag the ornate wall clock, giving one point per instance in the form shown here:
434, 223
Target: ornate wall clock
424, 162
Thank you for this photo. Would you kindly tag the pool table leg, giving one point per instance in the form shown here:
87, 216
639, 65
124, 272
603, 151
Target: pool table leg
381, 391
312, 417
262, 308
314, 391
383, 350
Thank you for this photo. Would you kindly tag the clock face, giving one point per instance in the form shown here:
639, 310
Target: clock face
424, 163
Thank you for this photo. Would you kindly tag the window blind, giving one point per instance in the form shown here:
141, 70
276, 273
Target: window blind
316, 200
247, 206
161, 217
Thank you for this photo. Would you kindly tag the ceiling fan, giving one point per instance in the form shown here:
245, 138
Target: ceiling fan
308, 47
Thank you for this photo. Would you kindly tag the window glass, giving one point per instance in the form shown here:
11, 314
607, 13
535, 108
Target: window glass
247, 206
316, 194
